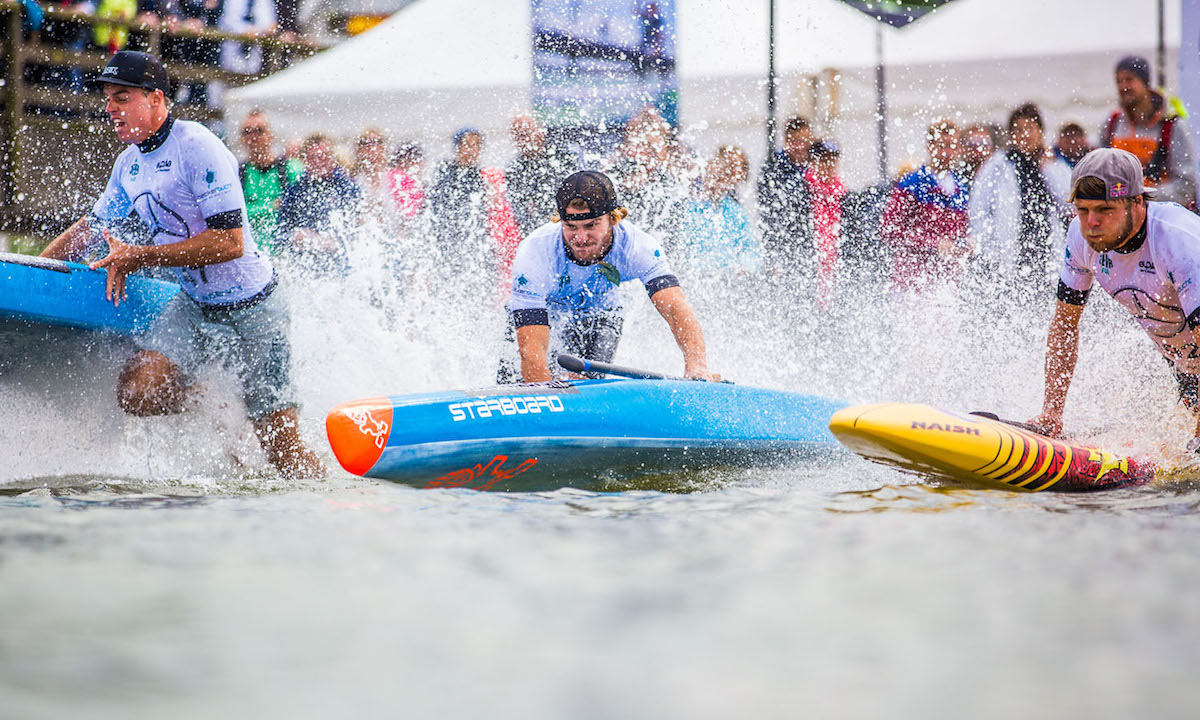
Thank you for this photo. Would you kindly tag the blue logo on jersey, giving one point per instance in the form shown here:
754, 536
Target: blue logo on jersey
657, 253
522, 281
133, 170
1171, 276
210, 177
1105, 263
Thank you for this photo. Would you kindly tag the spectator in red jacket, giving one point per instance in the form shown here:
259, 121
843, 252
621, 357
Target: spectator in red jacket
925, 221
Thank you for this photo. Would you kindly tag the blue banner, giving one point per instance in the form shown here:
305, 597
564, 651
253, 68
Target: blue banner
596, 63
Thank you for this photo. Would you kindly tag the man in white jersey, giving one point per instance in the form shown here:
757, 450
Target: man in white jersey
183, 184
566, 278
1145, 255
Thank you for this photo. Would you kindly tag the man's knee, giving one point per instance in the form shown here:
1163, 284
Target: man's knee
150, 384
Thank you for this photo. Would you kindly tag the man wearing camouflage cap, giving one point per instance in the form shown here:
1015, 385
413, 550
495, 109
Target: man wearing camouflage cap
1146, 255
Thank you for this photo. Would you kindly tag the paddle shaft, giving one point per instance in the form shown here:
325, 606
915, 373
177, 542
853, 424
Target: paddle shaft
580, 365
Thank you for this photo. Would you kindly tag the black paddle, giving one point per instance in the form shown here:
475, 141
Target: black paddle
1024, 426
580, 365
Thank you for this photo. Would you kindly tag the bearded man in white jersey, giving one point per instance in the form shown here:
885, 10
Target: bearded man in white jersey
182, 183
1146, 255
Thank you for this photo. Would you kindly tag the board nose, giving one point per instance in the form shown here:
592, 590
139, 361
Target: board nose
358, 432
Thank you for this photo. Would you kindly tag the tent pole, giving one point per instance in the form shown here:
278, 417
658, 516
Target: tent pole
770, 78
880, 104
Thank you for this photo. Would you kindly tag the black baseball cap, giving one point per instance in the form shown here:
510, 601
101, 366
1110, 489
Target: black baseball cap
590, 186
134, 69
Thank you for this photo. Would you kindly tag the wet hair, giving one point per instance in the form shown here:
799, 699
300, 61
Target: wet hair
1072, 128
939, 128
615, 216
408, 153
313, 140
1029, 111
796, 124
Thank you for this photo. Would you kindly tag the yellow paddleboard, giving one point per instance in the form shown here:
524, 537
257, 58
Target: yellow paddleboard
978, 451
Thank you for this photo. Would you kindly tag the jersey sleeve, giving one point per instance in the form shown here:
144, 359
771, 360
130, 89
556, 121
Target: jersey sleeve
532, 277
113, 203
212, 176
1176, 258
646, 259
1075, 278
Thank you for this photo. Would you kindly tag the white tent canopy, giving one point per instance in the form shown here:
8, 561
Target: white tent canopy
438, 65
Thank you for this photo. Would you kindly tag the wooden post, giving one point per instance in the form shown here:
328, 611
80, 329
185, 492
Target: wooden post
14, 105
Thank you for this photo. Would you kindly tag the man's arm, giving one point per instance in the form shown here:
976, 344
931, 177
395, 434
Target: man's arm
1062, 351
72, 243
675, 309
210, 247
533, 344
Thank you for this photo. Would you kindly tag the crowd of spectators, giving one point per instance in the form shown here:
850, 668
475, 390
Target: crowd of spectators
988, 202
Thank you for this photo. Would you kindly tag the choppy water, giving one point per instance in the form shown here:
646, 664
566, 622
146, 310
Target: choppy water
156, 568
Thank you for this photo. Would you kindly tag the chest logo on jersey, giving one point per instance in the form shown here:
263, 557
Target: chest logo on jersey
209, 177
134, 169
610, 273
163, 165
1146, 266
1105, 264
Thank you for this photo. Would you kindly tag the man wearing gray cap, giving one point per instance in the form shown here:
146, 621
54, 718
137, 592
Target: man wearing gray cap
1145, 255
1148, 126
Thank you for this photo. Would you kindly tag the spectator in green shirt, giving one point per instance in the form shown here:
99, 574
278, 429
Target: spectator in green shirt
265, 176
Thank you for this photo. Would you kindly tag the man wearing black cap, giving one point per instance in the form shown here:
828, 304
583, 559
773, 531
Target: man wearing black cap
1147, 126
182, 183
566, 284
1146, 255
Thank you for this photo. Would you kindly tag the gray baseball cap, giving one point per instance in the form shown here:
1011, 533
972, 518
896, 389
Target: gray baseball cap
1120, 170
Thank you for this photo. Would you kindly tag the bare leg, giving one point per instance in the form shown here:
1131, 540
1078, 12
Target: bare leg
279, 434
150, 384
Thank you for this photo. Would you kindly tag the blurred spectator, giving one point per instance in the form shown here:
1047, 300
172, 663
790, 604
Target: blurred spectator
265, 176
828, 193
716, 234
1150, 128
32, 16
532, 172
113, 37
245, 17
925, 221
785, 202
642, 174
371, 173
978, 144
476, 230
287, 13
319, 212
1013, 209
1072, 144
407, 185
197, 15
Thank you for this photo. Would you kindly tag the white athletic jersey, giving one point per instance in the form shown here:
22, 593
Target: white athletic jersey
189, 176
1158, 282
545, 279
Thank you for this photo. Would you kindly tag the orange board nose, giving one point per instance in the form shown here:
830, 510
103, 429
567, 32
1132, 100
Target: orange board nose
358, 431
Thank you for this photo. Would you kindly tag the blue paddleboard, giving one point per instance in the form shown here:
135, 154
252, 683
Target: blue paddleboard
584, 433
65, 294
